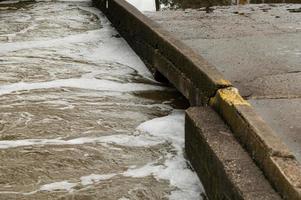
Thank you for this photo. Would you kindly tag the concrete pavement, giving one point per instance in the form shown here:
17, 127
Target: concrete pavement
256, 47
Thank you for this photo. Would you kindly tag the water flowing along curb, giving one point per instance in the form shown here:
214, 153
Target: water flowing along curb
202, 84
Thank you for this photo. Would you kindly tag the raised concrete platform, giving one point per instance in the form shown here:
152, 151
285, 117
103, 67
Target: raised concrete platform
256, 47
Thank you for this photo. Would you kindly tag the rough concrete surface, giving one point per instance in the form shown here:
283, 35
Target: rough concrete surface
258, 48
225, 168
190, 73
275, 110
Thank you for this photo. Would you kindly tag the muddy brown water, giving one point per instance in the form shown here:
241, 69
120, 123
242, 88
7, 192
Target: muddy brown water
71, 98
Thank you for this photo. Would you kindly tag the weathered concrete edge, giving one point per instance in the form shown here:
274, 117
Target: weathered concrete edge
225, 168
269, 152
149, 40
202, 83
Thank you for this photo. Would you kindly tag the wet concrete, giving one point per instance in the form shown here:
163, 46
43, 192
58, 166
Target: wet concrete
76, 110
256, 47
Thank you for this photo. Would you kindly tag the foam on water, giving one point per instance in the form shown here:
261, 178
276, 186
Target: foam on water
103, 45
91, 84
90, 179
62, 185
122, 139
175, 169
108, 48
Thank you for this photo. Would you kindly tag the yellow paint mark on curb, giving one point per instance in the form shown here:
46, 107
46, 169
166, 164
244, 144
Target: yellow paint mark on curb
224, 82
230, 96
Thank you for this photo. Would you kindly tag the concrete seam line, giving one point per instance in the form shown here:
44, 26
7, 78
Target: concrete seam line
235, 111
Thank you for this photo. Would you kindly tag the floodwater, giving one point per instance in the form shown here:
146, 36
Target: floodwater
80, 115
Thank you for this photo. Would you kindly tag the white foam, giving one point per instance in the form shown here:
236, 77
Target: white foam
8, 2
175, 169
121, 139
89, 36
82, 83
62, 185
159, 130
93, 178
168, 129
107, 48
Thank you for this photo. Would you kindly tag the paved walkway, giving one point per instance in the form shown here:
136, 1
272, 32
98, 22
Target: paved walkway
80, 116
256, 47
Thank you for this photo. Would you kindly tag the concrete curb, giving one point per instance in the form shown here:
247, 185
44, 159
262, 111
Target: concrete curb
226, 169
161, 50
201, 83
269, 152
